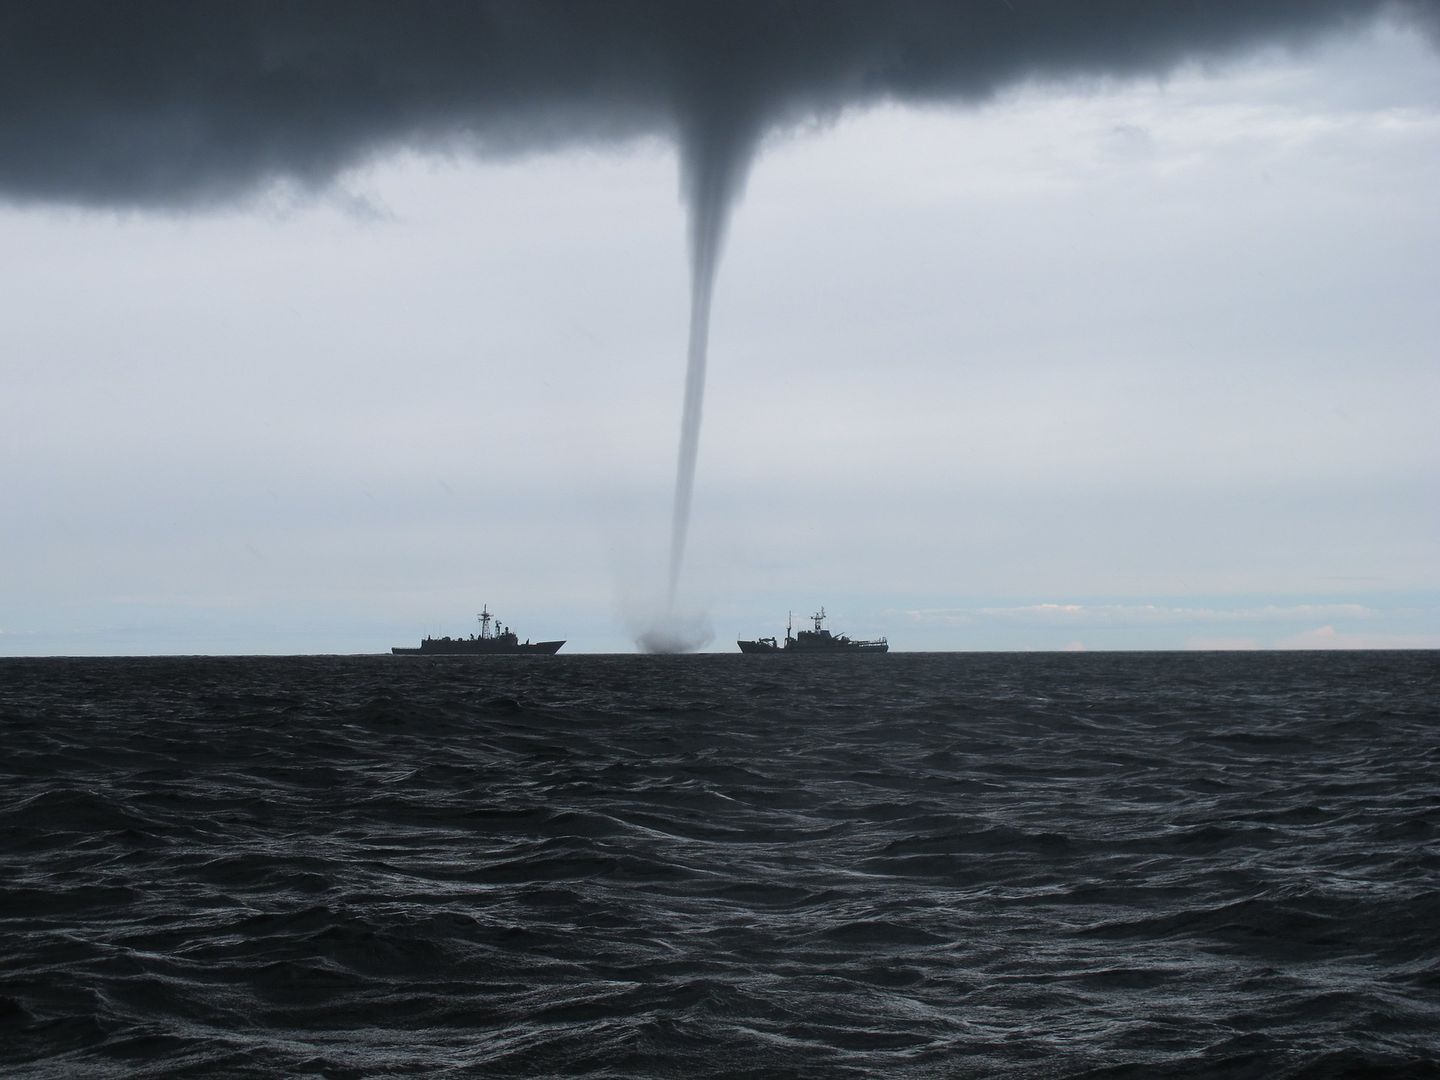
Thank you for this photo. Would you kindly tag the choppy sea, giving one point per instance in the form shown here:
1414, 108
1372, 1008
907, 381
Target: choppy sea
920, 865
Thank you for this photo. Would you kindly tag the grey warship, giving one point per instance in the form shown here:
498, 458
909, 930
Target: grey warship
502, 641
818, 642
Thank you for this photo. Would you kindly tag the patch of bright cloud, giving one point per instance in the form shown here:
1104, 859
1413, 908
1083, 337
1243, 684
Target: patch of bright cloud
1327, 637
1059, 614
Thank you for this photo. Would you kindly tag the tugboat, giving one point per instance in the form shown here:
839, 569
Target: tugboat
501, 642
819, 641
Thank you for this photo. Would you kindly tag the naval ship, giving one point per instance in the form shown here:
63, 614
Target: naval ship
818, 641
502, 641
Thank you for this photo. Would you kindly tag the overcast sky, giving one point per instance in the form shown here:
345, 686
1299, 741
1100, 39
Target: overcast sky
1117, 361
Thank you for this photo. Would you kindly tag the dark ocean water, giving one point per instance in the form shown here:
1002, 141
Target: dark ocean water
1100, 865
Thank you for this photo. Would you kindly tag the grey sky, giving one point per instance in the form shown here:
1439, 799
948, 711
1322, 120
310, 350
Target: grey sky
1126, 363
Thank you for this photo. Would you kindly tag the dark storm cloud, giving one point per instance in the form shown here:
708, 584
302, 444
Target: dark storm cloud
174, 103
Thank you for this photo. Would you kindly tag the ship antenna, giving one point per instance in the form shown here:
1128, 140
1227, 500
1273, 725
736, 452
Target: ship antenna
484, 618
819, 617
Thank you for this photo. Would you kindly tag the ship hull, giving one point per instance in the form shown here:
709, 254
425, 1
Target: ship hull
759, 648
756, 647
479, 647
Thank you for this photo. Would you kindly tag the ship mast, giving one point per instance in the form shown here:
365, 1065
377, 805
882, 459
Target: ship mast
819, 617
484, 618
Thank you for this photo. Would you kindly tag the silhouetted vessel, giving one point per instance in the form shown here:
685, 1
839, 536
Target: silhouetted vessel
818, 641
502, 642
